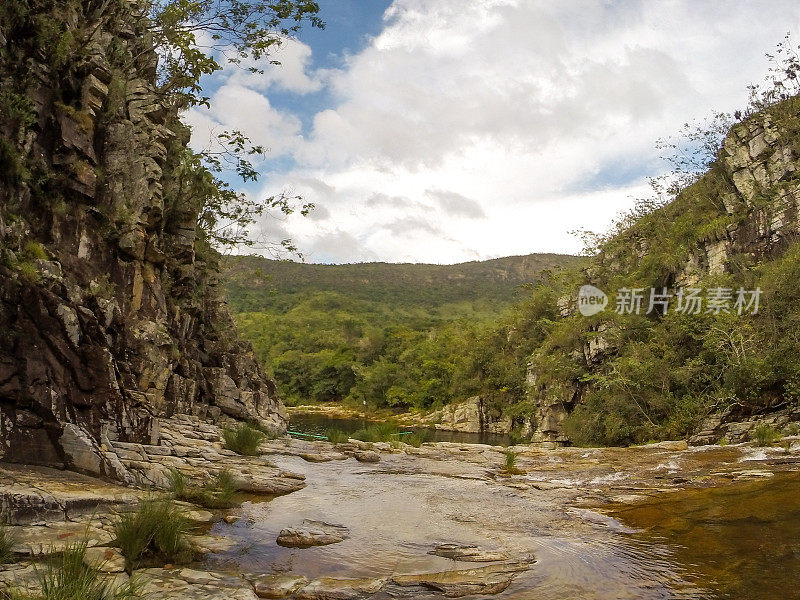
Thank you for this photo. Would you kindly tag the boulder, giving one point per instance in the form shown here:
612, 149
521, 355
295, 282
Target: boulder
328, 588
312, 533
367, 456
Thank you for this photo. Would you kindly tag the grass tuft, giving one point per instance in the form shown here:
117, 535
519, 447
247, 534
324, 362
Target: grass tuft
218, 492
510, 463
336, 436
156, 530
416, 439
379, 432
764, 435
67, 577
6, 543
244, 439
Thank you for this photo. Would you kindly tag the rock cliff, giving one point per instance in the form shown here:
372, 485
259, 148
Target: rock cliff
110, 315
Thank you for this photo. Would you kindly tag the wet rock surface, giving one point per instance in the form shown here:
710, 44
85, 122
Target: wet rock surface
467, 582
467, 553
312, 533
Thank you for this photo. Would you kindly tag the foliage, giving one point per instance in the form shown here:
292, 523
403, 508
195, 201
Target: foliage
243, 439
6, 543
193, 39
764, 435
510, 462
218, 492
67, 577
389, 335
336, 436
192, 36
156, 530
378, 432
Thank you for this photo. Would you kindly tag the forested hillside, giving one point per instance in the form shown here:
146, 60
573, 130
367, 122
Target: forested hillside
388, 334
255, 283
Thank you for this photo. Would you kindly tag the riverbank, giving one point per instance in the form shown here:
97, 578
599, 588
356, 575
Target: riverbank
442, 520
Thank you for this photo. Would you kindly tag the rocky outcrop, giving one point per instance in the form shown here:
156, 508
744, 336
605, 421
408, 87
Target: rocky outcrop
110, 314
471, 416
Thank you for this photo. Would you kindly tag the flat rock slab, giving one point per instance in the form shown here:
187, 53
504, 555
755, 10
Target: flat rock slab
329, 588
316, 457
312, 533
32, 495
277, 586
22, 576
467, 553
456, 584
183, 584
107, 560
214, 544
36, 540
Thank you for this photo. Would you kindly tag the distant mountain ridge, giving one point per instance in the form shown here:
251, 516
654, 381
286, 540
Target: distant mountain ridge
254, 283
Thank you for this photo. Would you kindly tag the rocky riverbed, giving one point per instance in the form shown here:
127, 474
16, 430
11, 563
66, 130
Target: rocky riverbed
358, 520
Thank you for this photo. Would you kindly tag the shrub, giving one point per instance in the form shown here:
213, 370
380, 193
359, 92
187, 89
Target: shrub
157, 530
218, 492
35, 250
764, 435
244, 439
336, 436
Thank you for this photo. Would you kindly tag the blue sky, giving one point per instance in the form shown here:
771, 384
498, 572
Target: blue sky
349, 27
452, 130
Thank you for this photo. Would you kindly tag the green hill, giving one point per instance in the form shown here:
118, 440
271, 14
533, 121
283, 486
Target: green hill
335, 332
255, 283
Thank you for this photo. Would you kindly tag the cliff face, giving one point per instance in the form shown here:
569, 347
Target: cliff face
726, 229
110, 316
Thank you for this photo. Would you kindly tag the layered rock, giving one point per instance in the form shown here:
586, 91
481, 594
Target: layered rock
110, 315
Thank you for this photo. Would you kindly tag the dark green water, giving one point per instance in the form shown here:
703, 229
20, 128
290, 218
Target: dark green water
319, 424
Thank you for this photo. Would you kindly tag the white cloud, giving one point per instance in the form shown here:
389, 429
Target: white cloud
477, 128
455, 204
293, 75
237, 107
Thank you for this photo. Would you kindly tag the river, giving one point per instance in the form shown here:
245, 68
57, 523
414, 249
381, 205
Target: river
738, 541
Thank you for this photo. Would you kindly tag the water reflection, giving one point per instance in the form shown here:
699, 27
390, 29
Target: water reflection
319, 423
741, 541
395, 518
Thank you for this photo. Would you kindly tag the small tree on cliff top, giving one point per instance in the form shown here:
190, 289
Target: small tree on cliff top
196, 38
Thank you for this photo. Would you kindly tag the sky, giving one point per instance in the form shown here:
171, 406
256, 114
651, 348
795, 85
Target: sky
444, 131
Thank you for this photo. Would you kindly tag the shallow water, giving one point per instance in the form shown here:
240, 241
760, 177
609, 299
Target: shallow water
395, 517
319, 423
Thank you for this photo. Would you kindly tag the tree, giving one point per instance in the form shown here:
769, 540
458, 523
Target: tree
196, 38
